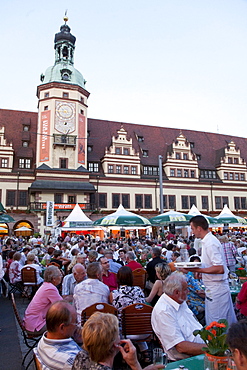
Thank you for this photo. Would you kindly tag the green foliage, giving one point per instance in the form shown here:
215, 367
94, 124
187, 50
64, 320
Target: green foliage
214, 336
241, 272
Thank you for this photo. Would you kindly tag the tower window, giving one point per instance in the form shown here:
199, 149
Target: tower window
65, 77
65, 95
46, 95
82, 99
46, 107
82, 112
63, 162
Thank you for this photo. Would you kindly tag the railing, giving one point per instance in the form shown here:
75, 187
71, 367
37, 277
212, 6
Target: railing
41, 206
67, 140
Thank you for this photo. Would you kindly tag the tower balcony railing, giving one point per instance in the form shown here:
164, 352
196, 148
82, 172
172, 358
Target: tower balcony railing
41, 206
64, 140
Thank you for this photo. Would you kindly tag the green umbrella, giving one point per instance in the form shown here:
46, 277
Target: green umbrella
227, 217
171, 217
122, 218
6, 218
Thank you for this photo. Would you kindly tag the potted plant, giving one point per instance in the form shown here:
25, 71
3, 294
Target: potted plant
214, 336
242, 274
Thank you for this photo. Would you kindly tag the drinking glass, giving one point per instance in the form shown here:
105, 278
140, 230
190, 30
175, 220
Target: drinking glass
159, 357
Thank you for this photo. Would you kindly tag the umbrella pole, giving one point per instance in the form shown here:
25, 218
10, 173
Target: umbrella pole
161, 189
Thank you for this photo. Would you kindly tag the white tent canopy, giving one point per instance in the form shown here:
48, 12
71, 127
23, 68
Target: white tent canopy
226, 212
194, 211
77, 218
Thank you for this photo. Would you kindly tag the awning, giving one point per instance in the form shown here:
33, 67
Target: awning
62, 185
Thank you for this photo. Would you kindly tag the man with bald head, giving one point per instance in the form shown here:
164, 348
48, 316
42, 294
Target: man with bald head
56, 348
71, 280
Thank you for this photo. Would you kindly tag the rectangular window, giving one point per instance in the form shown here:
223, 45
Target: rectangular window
126, 151
118, 169
147, 201
102, 200
126, 200
192, 200
155, 171
46, 107
115, 200
186, 173
204, 202
172, 201
236, 203
225, 201
4, 162
71, 199
63, 162
21, 163
243, 203
225, 175
117, 150
235, 160
185, 156
179, 173
192, 173
110, 168
23, 197
236, 176
172, 172
126, 170
185, 202
218, 204
230, 176
10, 198
46, 95
58, 197
138, 201
93, 167
133, 170
242, 176
65, 95
24, 163
177, 155
165, 201
229, 159
145, 170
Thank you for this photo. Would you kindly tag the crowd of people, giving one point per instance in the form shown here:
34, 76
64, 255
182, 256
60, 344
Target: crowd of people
74, 272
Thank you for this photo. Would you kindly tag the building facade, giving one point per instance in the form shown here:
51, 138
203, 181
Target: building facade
59, 154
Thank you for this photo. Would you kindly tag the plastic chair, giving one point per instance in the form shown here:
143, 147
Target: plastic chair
101, 307
139, 278
136, 322
30, 340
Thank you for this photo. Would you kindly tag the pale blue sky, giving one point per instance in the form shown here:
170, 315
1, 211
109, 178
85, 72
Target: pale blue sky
173, 63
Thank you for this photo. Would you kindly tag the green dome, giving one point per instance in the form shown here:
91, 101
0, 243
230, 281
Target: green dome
65, 73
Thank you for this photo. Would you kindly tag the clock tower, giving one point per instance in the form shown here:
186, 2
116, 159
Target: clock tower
62, 117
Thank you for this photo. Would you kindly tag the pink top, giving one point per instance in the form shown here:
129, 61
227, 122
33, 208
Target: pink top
35, 314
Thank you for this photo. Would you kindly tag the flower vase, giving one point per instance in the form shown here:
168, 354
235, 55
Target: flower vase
215, 362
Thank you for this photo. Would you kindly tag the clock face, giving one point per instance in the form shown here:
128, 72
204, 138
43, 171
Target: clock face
65, 117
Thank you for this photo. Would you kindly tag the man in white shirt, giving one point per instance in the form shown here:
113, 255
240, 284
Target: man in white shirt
173, 322
91, 290
70, 281
218, 302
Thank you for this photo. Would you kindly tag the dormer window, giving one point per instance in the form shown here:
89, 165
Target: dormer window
25, 144
145, 153
126, 151
177, 155
185, 156
198, 157
140, 139
235, 161
192, 145
25, 128
117, 150
229, 159
89, 148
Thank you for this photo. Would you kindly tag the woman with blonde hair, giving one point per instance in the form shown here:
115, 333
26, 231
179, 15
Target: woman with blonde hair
162, 271
100, 335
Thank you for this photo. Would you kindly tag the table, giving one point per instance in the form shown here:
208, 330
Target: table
234, 293
191, 363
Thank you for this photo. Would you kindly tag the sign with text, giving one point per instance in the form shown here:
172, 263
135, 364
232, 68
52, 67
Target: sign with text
49, 213
81, 139
64, 206
45, 140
